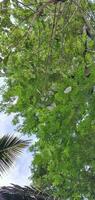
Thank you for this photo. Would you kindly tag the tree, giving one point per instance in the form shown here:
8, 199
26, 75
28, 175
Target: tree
47, 56
10, 147
23, 193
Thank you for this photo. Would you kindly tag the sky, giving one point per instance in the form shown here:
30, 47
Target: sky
20, 172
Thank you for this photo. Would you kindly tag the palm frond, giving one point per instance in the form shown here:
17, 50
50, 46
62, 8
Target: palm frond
23, 193
10, 147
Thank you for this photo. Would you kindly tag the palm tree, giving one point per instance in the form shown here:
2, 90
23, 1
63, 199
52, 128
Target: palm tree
10, 147
16, 192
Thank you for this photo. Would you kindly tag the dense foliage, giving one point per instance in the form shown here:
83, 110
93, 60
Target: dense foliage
48, 58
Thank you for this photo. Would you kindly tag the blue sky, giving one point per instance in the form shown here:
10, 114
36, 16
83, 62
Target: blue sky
20, 172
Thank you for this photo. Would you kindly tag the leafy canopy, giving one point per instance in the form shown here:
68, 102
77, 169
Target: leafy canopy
48, 58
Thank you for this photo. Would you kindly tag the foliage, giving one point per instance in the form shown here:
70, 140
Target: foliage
48, 58
15, 192
10, 147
